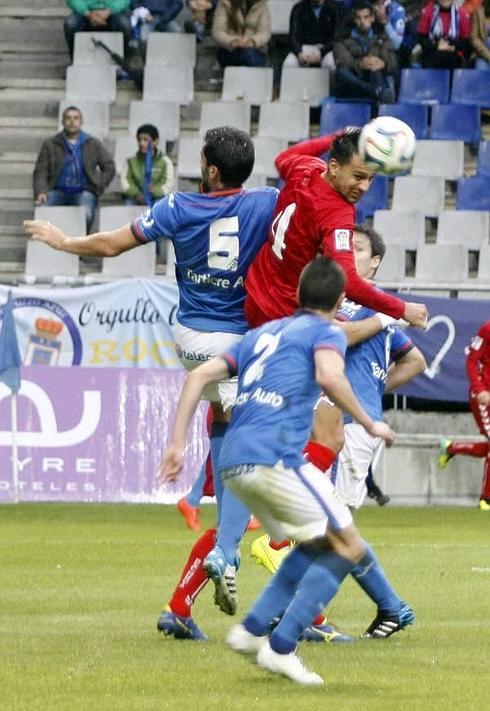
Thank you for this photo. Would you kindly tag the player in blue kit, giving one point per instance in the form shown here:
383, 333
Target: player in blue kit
383, 362
215, 235
282, 368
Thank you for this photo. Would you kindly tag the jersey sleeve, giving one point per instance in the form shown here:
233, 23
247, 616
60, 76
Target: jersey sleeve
331, 338
479, 344
159, 221
291, 158
400, 344
231, 358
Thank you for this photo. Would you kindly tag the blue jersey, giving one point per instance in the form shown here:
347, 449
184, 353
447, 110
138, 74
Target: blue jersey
366, 364
215, 237
277, 390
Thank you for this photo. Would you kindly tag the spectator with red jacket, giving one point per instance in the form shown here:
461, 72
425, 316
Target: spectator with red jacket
478, 371
444, 34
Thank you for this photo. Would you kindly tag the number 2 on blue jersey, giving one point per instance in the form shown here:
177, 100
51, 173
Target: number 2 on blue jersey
265, 347
224, 245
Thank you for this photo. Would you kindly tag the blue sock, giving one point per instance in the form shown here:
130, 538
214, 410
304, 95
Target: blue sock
195, 494
317, 587
232, 525
216, 435
369, 574
277, 594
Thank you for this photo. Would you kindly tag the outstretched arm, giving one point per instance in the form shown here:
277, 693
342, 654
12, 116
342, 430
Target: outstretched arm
214, 370
100, 244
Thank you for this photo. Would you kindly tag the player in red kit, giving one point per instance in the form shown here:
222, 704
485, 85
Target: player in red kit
478, 371
314, 214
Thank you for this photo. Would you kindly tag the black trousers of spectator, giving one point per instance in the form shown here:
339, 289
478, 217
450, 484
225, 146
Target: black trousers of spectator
121, 22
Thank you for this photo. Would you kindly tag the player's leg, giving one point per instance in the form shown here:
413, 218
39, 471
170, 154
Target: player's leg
188, 505
327, 435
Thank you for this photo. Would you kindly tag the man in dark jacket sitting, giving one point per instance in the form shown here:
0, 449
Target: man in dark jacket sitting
365, 58
72, 168
311, 30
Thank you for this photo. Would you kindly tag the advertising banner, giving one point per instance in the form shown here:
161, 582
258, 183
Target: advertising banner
94, 434
121, 324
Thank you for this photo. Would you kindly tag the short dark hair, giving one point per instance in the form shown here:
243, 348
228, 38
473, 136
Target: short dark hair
321, 284
362, 5
70, 108
150, 129
345, 145
232, 152
378, 247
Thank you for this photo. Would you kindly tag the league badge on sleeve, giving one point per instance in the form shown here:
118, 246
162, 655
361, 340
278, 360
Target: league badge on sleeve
342, 240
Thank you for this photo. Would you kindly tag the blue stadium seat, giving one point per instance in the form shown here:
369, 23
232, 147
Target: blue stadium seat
335, 116
484, 158
424, 86
471, 86
473, 193
376, 198
416, 115
456, 122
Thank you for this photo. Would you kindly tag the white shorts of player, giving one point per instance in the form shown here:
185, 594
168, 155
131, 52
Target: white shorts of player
290, 503
353, 464
194, 348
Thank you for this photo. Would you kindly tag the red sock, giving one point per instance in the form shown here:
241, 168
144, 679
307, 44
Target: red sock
485, 491
277, 545
319, 455
471, 449
193, 577
319, 620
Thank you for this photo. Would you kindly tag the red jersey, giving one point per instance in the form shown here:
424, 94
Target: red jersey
478, 360
310, 217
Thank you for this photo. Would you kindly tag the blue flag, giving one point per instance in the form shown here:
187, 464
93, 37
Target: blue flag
147, 176
9, 348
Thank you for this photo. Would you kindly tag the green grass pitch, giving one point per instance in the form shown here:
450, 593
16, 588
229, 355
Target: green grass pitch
82, 586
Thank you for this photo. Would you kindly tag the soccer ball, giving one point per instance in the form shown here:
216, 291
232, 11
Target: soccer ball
387, 145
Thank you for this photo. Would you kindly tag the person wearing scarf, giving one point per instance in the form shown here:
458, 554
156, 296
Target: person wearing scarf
444, 34
148, 175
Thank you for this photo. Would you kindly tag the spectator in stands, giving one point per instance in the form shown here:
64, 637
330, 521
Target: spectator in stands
312, 27
444, 34
72, 168
242, 29
365, 58
92, 15
154, 16
393, 17
480, 35
201, 17
149, 175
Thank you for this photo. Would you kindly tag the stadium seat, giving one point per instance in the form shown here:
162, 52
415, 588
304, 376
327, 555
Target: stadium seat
95, 116
165, 115
139, 262
86, 52
456, 122
439, 158
266, 150
188, 165
484, 264
224, 113
290, 121
280, 11
421, 193
483, 167
91, 82
125, 147
424, 86
256, 180
447, 263
45, 263
404, 227
473, 193
416, 115
471, 86
392, 268
376, 198
308, 84
252, 84
470, 228
333, 116
168, 83
170, 48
